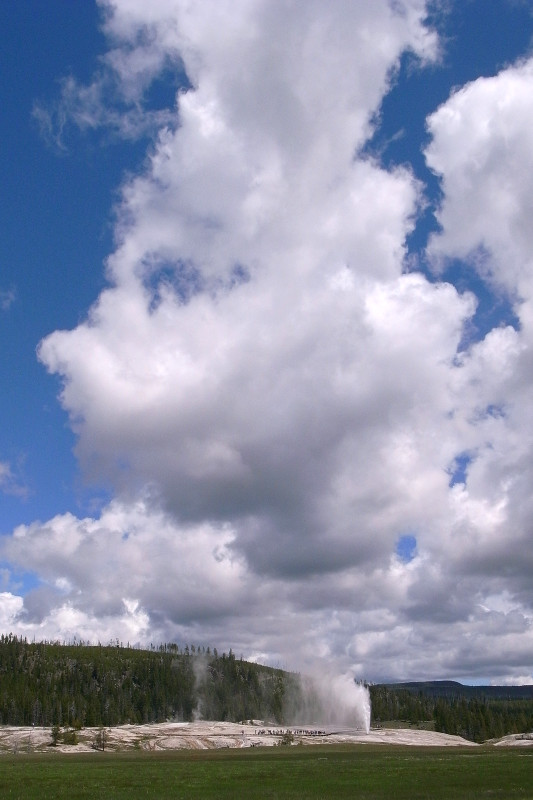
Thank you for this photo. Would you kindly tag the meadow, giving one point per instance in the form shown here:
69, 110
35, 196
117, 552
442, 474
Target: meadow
332, 771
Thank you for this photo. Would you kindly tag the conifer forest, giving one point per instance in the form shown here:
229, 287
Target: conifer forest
81, 685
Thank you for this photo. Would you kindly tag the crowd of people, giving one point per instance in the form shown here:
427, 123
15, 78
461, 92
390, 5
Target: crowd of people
284, 731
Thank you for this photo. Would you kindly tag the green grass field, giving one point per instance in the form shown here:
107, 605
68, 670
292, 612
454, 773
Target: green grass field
285, 772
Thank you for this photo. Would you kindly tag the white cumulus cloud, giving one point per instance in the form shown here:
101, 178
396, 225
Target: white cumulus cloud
273, 398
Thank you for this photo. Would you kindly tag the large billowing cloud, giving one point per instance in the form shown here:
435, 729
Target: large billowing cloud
482, 146
275, 402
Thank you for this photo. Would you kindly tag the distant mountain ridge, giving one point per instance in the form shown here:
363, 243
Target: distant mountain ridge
454, 689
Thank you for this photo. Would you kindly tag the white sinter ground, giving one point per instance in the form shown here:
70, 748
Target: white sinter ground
206, 735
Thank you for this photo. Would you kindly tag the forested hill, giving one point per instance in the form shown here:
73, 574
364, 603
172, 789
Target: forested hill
477, 713
455, 690
81, 685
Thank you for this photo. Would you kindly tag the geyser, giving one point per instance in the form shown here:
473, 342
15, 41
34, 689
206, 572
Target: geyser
329, 700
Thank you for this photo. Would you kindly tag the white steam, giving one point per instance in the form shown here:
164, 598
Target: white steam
329, 700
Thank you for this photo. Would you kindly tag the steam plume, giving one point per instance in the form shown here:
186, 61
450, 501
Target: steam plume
329, 700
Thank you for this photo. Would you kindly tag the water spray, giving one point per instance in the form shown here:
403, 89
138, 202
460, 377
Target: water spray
327, 700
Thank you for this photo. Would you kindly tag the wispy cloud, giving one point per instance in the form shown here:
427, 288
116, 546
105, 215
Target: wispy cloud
10, 482
95, 108
7, 298
116, 103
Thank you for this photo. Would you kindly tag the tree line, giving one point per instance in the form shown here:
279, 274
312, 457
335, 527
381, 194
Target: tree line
81, 685
470, 712
53, 684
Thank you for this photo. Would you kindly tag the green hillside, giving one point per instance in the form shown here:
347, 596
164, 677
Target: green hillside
477, 713
55, 684
50, 684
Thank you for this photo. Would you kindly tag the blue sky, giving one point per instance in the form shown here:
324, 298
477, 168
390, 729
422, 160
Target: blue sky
291, 264
55, 221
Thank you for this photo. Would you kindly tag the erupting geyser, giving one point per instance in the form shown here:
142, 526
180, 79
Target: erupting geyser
350, 702
331, 700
